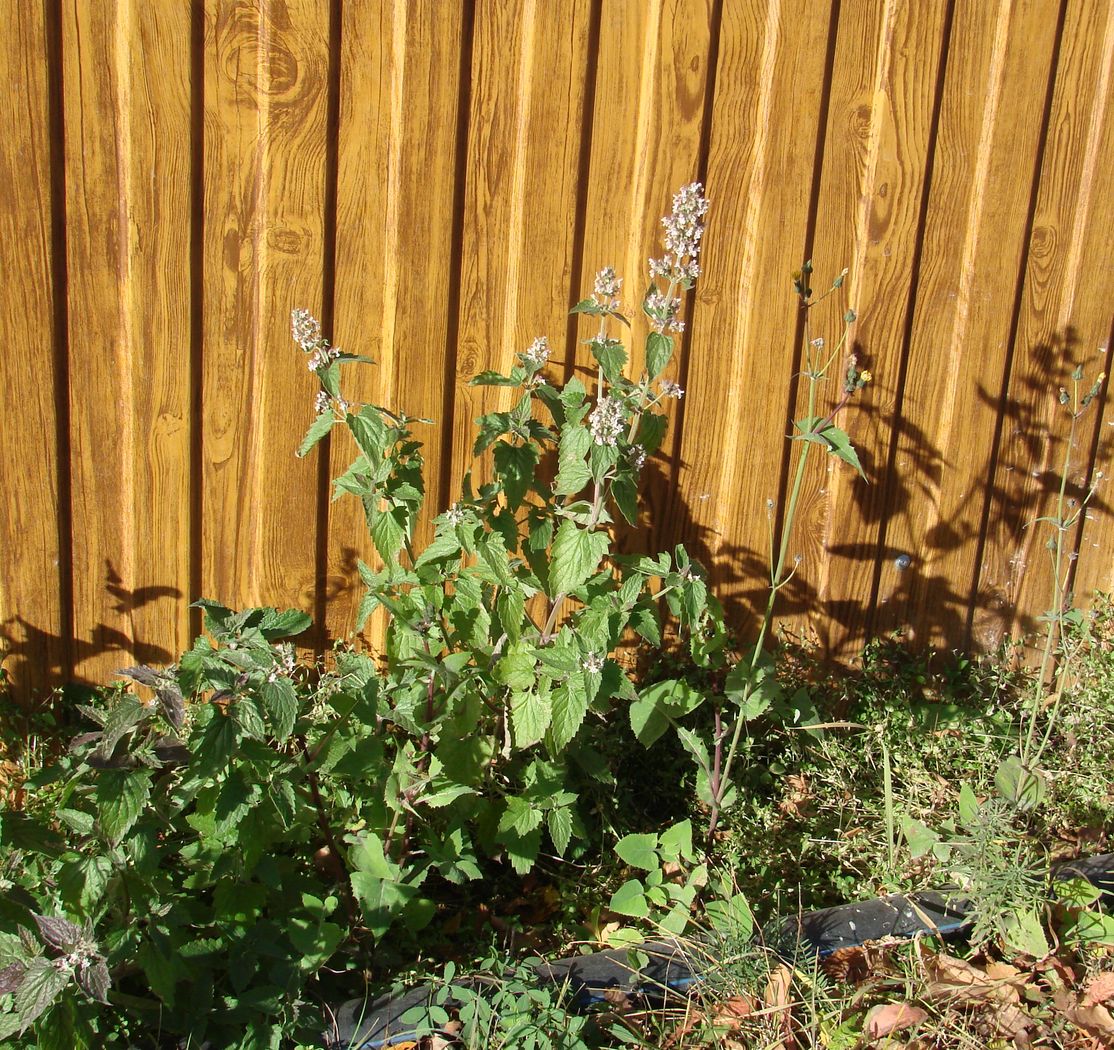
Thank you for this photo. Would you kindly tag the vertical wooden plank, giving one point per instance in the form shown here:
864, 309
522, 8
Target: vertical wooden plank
996, 87
524, 142
266, 88
32, 619
127, 118
871, 199
399, 115
652, 75
760, 171
1065, 320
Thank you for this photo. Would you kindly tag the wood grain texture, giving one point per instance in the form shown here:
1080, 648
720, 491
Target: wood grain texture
994, 95
266, 77
32, 617
397, 184
868, 219
490, 157
127, 122
524, 141
652, 72
760, 169
1064, 321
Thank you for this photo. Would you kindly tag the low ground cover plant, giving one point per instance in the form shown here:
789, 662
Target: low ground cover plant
236, 842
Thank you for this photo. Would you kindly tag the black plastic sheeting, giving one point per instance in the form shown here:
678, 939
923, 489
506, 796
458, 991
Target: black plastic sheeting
673, 970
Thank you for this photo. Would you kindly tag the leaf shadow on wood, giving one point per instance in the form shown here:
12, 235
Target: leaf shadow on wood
919, 591
37, 660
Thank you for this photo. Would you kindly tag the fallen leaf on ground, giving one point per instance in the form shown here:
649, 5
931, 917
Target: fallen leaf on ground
892, 1017
1095, 1019
1099, 988
776, 996
734, 1010
953, 980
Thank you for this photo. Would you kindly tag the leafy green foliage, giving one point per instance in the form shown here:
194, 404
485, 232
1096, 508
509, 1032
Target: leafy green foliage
222, 840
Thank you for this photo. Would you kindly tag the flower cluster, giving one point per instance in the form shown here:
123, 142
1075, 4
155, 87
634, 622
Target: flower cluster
592, 663
606, 421
306, 332
670, 389
322, 357
537, 353
683, 229
662, 311
606, 289
305, 328
636, 456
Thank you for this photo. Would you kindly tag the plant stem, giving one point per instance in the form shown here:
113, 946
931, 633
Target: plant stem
1056, 611
775, 582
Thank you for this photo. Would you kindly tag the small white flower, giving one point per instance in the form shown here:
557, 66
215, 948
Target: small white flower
606, 421
606, 288
684, 228
321, 402
537, 353
669, 389
322, 357
818, 342
662, 311
636, 456
305, 328
455, 514
592, 663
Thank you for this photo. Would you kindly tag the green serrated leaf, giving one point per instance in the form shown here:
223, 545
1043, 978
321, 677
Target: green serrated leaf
647, 720
560, 828
280, 702
515, 465
659, 349
42, 984
317, 430
121, 796
388, 531
530, 716
572, 470
370, 433
576, 555
570, 705
611, 356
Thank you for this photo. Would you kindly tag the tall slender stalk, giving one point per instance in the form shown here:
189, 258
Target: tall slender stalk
811, 429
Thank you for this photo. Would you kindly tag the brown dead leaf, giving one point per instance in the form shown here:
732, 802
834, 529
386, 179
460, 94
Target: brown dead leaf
797, 796
1094, 1019
618, 999
954, 980
776, 996
1100, 988
731, 1012
892, 1017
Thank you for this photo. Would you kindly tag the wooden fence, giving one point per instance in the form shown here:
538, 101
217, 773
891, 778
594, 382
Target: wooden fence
439, 180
